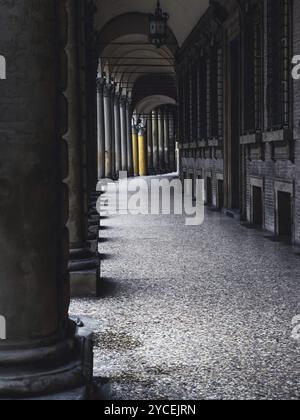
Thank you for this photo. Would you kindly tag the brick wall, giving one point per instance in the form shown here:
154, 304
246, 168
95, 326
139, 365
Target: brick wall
269, 163
296, 88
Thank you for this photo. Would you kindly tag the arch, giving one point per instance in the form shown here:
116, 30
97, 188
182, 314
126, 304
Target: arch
154, 84
131, 56
128, 56
149, 103
192, 11
129, 23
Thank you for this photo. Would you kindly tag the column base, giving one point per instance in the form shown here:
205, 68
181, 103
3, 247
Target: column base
83, 259
62, 371
85, 283
94, 222
84, 269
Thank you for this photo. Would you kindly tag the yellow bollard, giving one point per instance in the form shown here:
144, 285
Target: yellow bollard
135, 152
142, 153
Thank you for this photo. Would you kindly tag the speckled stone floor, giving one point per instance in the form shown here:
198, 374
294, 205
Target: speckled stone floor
199, 312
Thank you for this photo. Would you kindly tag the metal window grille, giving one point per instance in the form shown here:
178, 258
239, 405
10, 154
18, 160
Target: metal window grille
278, 63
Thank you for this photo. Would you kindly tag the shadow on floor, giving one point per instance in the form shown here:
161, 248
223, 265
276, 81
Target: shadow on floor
251, 226
108, 288
107, 240
105, 227
106, 257
101, 390
280, 239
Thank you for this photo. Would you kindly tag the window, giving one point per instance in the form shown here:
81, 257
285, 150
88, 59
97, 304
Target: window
202, 100
279, 48
194, 102
253, 68
215, 93
181, 108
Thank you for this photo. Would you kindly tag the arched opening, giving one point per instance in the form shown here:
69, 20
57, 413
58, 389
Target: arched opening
136, 78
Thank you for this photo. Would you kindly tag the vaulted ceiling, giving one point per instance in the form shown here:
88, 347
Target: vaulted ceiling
184, 14
126, 53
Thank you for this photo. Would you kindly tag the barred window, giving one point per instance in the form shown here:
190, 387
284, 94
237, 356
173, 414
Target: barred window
220, 88
181, 107
279, 39
188, 105
194, 102
215, 93
253, 68
202, 99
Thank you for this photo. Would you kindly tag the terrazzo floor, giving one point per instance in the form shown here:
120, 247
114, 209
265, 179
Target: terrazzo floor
202, 312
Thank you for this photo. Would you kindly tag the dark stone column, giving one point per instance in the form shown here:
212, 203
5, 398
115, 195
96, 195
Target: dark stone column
150, 144
83, 262
117, 123
91, 59
166, 139
123, 133
172, 142
41, 355
101, 129
129, 138
161, 146
108, 128
113, 144
155, 141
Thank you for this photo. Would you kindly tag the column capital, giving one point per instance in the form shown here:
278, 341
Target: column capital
154, 113
117, 96
160, 113
142, 131
123, 100
100, 84
108, 88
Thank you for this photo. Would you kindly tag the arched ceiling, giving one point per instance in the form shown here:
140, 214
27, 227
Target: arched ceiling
149, 103
129, 58
133, 62
184, 14
127, 61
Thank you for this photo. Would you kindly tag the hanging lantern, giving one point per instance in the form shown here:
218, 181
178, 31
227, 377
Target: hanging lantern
158, 27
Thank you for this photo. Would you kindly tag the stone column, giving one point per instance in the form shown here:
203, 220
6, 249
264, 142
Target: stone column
100, 129
117, 122
123, 133
41, 354
84, 132
113, 140
108, 128
83, 263
150, 144
129, 138
142, 148
91, 58
155, 141
135, 149
161, 146
172, 143
166, 139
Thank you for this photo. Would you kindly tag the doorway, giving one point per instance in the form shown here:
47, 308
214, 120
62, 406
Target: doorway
192, 178
209, 192
257, 206
285, 220
220, 194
